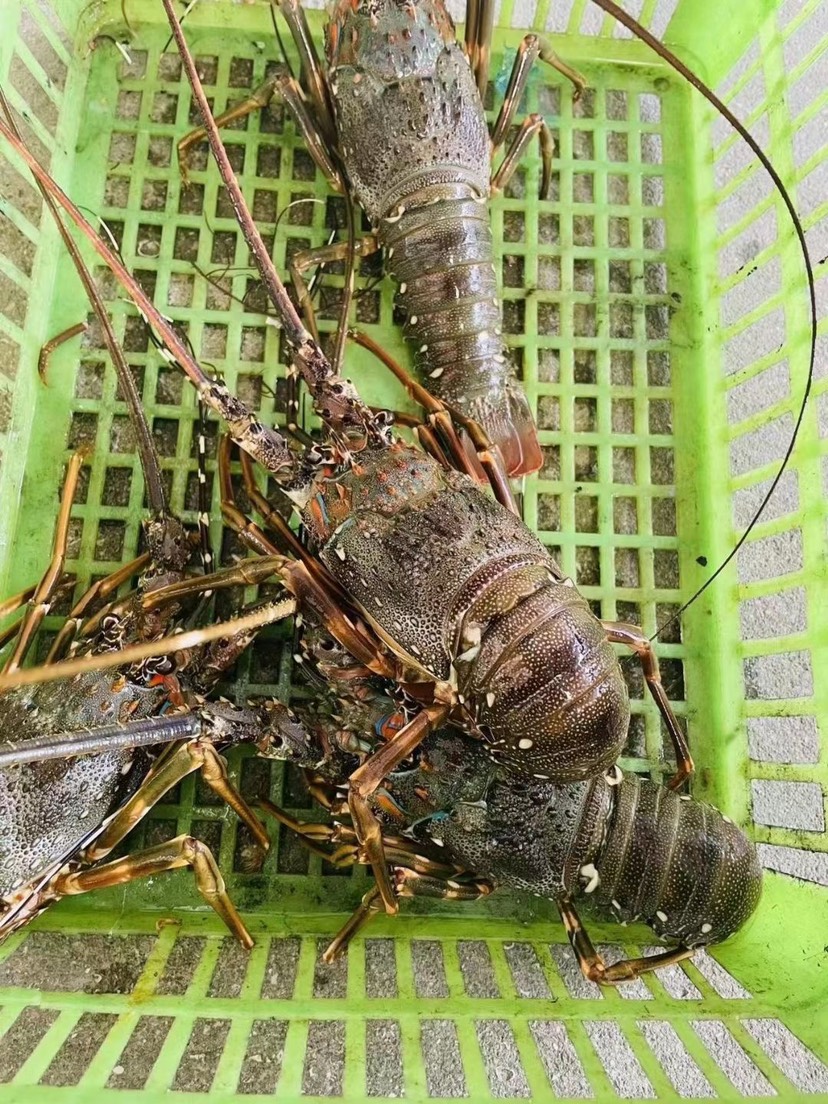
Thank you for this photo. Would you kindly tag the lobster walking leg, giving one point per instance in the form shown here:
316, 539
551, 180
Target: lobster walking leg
480, 16
631, 635
11, 605
312, 70
173, 766
101, 589
39, 603
178, 852
531, 48
368, 907
592, 964
324, 254
532, 125
365, 780
248, 531
285, 86
409, 883
438, 435
246, 573
312, 835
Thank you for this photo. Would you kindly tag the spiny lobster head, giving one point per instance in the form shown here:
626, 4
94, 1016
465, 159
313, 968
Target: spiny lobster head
678, 864
389, 39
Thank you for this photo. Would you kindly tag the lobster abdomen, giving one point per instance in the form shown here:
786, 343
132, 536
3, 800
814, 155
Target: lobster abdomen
440, 252
550, 693
677, 864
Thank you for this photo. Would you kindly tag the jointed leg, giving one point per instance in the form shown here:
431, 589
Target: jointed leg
365, 780
313, 835
440, 438
409, 883
312, 70
631, 635
281, 84
324, 254
532, 125
593, 965
370, 905
99, 590
40, 601
479, 27
16, 601
246, 573
178, 852
248, 531
168, 770
531, 48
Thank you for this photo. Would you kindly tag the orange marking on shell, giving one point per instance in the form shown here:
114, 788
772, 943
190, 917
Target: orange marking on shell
318, 516
391, 725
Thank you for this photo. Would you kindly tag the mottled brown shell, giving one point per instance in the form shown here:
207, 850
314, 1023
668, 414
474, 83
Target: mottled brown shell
677, 864
460, 584
46, 808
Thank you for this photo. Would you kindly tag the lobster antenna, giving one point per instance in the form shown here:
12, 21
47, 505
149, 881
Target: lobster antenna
104, 738
150, 649
278, 34
146, 447
667, 55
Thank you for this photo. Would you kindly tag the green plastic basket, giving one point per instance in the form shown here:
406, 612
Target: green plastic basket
657, 309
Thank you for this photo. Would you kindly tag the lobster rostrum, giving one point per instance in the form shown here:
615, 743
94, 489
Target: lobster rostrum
418, 573
396, 117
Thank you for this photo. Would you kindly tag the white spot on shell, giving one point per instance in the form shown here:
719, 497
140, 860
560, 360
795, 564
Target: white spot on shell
403, 289
592, 877
436, 373
413, 320
727, 820
615, 904
490, 699
340, 552
662, 916
524, 745
705, 928
614, 777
